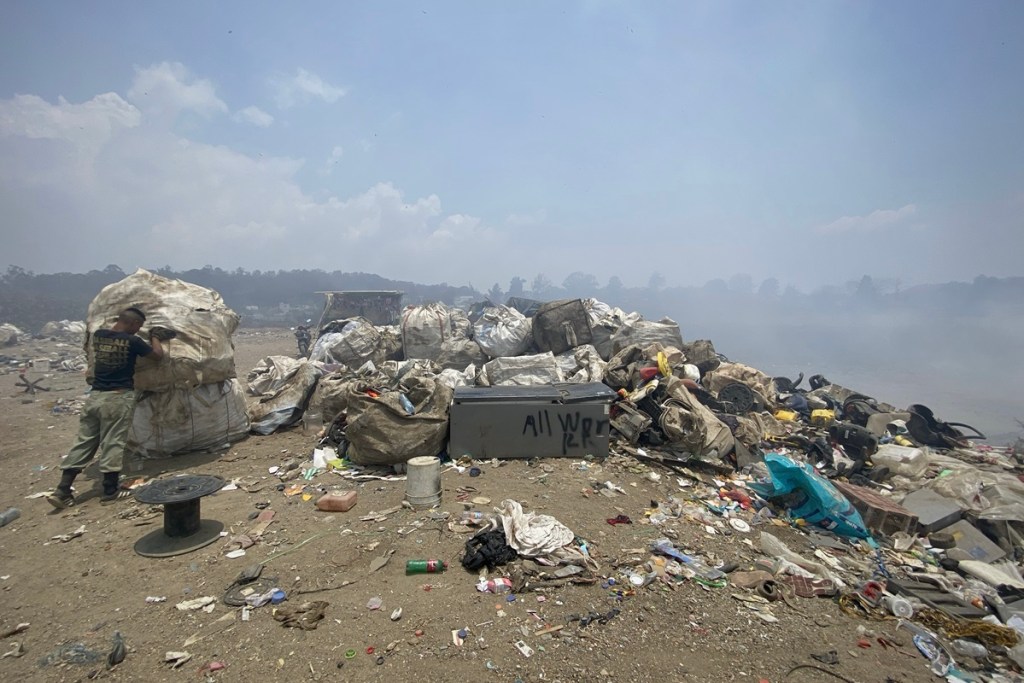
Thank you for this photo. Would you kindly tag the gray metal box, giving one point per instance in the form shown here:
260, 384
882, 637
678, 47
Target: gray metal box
542, 421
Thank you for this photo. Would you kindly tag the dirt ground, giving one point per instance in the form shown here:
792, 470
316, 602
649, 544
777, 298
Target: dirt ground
83, 590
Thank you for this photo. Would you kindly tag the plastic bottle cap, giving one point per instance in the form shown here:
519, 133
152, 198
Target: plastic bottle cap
277, 597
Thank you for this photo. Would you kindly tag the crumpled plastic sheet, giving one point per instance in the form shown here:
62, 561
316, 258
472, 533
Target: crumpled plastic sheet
979, 490
454, 378
795, 563
523, 370
71, 653
540, 536
581, 364
994, 574
270, 374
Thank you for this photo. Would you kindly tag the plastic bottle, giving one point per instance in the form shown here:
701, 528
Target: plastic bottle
968, 648
898, 607
407, 405
664, 547
261, 599
473, 517
9, 515
499, 585
425, 566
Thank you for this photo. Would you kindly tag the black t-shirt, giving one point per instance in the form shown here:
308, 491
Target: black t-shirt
115, 354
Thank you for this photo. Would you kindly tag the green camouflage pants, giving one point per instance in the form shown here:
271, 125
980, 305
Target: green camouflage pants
103, 428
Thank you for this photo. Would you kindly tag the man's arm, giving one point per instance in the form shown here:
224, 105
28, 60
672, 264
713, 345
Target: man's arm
158, 350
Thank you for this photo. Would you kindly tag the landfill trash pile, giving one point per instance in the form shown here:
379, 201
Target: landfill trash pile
603, 485
912, 519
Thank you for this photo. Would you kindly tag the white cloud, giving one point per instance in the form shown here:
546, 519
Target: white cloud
88, 124
255, 116
168, 88
880, 219
336, 154
76, 175
457, 227
302, 87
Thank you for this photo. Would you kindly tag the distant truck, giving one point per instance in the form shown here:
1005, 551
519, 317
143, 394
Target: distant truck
380, 307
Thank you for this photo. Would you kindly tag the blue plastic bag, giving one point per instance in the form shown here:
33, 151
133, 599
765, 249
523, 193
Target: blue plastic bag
821, 504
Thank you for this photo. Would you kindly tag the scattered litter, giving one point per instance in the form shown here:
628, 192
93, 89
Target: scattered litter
16, 650
209, 667
177, 659
64, 538
379, 562
118, 651
71, 653
305, 616
196, 603
14, 630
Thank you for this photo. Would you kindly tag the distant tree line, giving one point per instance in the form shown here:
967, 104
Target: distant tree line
29, 300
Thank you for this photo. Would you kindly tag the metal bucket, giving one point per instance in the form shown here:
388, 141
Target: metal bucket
423, 482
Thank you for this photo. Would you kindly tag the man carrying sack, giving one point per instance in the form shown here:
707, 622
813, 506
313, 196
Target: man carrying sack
107, 414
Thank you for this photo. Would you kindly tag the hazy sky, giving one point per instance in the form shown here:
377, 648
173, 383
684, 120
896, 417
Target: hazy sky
473, 141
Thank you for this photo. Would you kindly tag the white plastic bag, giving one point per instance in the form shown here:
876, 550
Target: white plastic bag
503, 332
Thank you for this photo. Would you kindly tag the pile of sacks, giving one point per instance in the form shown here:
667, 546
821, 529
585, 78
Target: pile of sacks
389, 389
682, 398
71, 330
10, 335
190, 399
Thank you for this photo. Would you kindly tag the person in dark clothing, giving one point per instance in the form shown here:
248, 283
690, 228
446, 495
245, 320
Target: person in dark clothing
107, 414
303, 337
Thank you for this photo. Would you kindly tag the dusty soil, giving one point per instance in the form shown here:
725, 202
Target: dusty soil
84, 590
